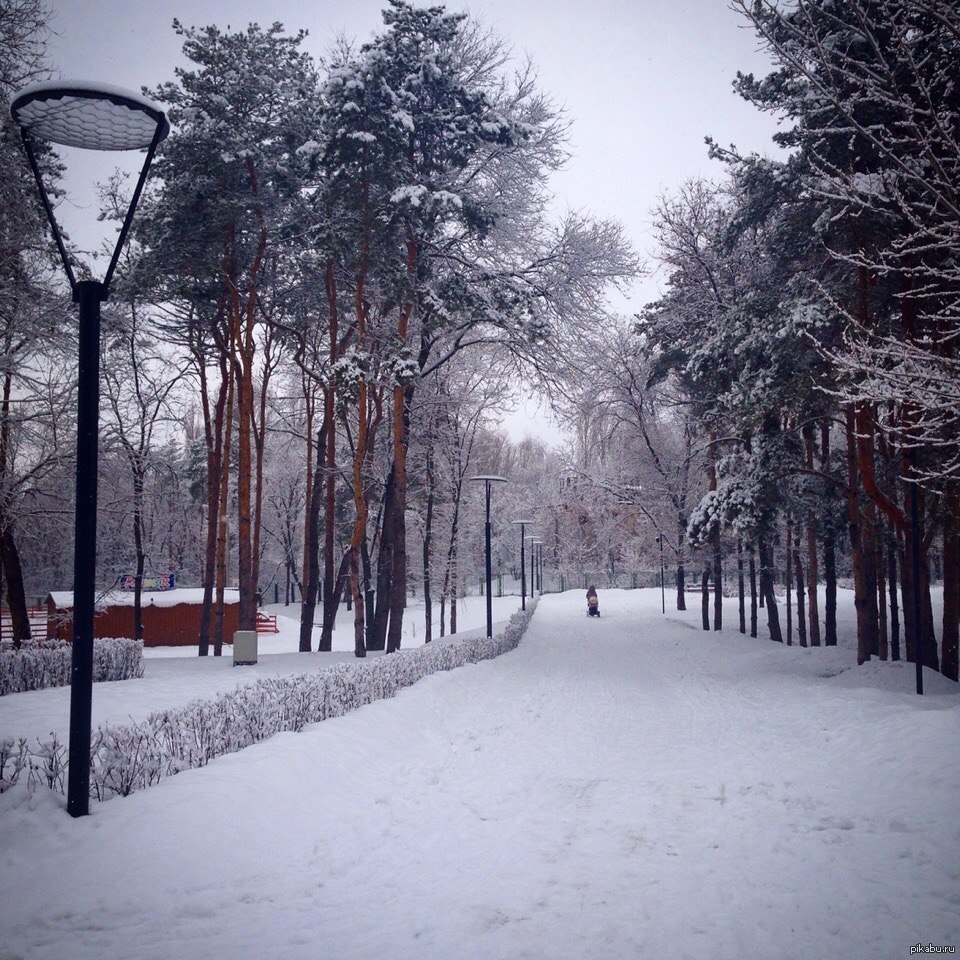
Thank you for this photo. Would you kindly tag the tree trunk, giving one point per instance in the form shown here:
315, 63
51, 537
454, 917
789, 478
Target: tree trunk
138, 552
705, 596
359, 640
752, 566
681, 540
450, 572
329, 413
222, 497
788, 576
829, 552
213, 428
13, 580
862, 585
881, 596
402, 399
922, 632
951, 594
312, 544
247, 608
717, 585
801, 598
368, 591
813, 573
767, 592
9, 555
454, 589
427, 543
385, 565
892, 586
717, 554
330, 604
741, 592
931, 656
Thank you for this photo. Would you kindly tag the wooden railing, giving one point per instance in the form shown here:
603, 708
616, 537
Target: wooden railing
36, 615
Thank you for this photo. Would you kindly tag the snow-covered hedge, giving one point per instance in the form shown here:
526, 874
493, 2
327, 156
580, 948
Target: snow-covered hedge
129, 758
46, 663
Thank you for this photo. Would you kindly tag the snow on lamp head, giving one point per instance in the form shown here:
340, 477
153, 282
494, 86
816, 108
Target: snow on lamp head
90, 116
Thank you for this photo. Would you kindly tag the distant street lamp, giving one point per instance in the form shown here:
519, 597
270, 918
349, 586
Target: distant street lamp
523, 562
92, 117
488, 481
663, 595
533, 541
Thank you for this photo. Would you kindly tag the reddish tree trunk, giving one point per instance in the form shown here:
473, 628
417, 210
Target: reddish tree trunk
862, 589
330, 604
222, 546
213, 428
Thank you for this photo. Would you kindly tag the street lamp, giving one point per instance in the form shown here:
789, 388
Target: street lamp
488, 481
91, 117
523, 563
533, 541
663, 595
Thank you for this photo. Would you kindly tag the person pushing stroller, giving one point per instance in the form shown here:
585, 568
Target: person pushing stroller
593, 603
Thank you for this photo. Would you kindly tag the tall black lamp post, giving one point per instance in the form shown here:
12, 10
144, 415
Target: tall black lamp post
523, 562
92, 117
488, 481
663, 594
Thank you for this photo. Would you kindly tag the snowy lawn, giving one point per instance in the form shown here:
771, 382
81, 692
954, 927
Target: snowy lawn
614, 788
173, 676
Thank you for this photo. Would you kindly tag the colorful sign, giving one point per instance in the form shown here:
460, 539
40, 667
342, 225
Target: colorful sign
157, 581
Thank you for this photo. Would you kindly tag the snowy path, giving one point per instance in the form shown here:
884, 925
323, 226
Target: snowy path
615, 788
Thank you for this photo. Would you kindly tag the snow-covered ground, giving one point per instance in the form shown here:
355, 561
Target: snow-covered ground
614, 788
173, 676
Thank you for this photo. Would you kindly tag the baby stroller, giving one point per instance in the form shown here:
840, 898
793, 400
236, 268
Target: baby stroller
593, 603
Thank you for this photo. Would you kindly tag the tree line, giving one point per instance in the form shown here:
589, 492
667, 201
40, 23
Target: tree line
792, 398
338, 268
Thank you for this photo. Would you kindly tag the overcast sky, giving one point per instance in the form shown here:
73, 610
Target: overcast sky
642, 80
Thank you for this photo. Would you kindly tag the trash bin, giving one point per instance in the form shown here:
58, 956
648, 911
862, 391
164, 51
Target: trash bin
244, 648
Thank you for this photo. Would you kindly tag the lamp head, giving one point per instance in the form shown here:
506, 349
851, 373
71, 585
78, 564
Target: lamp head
91, 116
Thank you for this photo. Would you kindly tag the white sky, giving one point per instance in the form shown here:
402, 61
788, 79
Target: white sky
643, 81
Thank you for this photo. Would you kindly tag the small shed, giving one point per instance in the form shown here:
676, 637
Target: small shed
171, 618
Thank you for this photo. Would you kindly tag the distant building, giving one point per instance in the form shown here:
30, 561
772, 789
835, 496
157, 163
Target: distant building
171, 618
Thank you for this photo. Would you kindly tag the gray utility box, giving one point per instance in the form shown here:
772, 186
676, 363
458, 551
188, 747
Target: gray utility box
244, 648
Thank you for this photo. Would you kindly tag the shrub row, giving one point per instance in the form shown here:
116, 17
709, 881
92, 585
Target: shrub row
45, 663
132, 757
